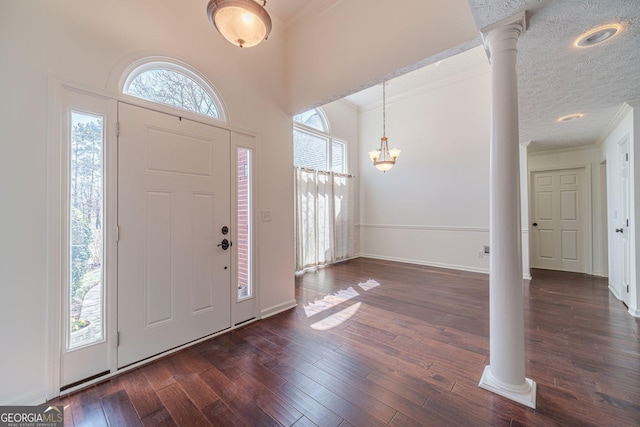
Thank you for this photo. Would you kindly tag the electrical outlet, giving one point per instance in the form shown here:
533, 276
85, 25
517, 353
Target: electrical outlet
480, 254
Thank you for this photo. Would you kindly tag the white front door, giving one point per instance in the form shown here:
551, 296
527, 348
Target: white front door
621, 221
558, 216
173, 201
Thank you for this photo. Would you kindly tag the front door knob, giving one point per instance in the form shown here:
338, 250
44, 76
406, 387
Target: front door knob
224, 244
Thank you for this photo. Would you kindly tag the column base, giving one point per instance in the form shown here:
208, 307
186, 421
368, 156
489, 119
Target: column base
524, 394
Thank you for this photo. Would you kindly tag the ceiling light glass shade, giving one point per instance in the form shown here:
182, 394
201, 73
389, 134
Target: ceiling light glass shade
571, 117
244, 23
598, 35
384, 159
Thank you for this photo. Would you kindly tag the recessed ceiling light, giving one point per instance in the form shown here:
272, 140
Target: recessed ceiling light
571, 117
598, 35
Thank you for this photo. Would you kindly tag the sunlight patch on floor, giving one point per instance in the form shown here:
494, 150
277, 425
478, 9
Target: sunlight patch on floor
369, 284
329, 301
336, 319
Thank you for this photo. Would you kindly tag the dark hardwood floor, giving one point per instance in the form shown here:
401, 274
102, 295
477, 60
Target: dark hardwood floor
407, 352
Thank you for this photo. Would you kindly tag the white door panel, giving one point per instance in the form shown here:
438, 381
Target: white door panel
174, 199
559, 214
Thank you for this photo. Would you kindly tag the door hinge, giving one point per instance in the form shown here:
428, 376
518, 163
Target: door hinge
117, 129
626, 156
627, 222
627, 288
118, 339
117, 234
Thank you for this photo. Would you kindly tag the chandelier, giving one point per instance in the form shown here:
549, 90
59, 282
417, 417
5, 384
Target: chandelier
245, 23
383, 158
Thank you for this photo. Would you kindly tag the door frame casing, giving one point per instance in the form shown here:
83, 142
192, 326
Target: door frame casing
587, 188
56, 227
56, 85
622, 293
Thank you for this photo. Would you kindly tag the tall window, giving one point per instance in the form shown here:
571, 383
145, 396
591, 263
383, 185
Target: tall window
173, 85
244, 223
324, 193
314, 147
86, 324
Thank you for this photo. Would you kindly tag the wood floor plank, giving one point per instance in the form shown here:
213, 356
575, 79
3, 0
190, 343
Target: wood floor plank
238, 401
119, 410
141, 393
200, 394
219, 414
304, 422
408, 351
160, 418
157, 374
349, 411
181, 408
272, 404
317, 413
87, 408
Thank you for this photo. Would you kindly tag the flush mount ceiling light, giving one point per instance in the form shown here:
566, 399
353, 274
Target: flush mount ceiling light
245, 23
383, 158
570, 117
597, 35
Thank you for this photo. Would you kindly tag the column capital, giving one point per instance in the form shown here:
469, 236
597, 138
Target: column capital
512, 26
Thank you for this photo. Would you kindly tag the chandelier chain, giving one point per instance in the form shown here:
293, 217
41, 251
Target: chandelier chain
384, 112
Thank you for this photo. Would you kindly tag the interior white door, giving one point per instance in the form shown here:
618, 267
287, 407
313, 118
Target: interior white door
173, 201
621, 222
558, 220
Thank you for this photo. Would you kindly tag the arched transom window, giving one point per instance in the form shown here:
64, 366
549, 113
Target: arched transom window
174, 85
314, 146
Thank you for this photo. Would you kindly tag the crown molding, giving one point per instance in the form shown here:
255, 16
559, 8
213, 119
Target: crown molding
617, 119
305, 16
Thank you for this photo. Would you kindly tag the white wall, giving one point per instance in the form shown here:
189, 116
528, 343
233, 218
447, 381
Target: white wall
624, 128
88, 42
343, 119
433, 207
588, 156
356, 42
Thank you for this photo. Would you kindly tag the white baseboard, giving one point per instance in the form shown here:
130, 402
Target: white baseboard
34, 397
427, 263
614, 292
273, 310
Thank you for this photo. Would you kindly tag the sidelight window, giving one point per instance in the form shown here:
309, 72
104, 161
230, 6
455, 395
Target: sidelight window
86, 190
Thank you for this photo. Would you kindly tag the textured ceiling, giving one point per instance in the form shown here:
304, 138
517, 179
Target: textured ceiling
555, 78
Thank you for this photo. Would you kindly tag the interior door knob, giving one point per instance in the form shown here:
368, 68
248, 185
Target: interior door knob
535, 224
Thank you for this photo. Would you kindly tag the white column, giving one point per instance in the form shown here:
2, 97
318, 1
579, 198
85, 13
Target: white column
505, 375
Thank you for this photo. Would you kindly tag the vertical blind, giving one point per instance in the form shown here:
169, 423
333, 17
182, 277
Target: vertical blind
325, 217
